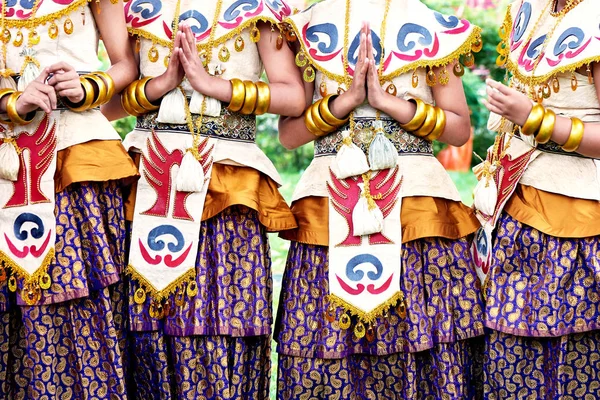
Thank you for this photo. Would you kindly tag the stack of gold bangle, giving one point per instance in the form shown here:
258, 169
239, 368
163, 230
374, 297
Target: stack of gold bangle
248, 97
541, 123
98, 89
320, 121
134, 100
11, 108
428, 122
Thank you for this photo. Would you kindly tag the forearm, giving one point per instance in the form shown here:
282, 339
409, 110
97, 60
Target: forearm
293, 132
590, 145
113, 109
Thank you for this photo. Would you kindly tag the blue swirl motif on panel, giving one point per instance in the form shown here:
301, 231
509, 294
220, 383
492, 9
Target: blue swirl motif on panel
522, 21
353, 50
572, 39
425, 39
26, 4
535, 49
357, 275
202, 22
146, 8
447, 21
22, 234
274, 4
331, 33
234, 10
158, 245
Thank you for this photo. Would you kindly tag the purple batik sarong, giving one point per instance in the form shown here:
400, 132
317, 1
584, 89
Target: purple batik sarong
216, 345
543, 311
429, 354
71, 345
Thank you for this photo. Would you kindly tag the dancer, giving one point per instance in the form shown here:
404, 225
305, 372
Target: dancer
62, 221
380, 297
540, 191
201, 290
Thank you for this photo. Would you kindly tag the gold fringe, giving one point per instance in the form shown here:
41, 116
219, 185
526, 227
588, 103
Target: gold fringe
463, 49
24, 275
371, 316
160, 295
43, 20
204, 46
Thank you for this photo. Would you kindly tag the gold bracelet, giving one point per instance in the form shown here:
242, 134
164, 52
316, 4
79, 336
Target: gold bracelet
238, 95
440, 125
110, 84
418, 119
88, 97
264, 98
100, 98
310, 124
250, 98
132, 100
575, 137
318, 119
4, 93
125, 103
546, 128
428, 124
11, 110
326, 114
534, 120
140, 95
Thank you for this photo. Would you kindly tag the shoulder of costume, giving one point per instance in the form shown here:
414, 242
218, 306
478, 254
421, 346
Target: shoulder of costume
153, 19
416, 37
18, 14
574, 40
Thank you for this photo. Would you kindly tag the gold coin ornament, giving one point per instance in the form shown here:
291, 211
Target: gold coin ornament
323, 89
391, 89
31, 294
574, 82
153, 54
3, 274
192, 289
255, 34
6, 35
45, 281
555, 85
330, 314
431, 78
140, 296
180, 298
546, 91
370, 334
458, 70
309, 74
359, 330
12, 283
167, 60
477, 45
345, 321
68, 26
33, 38
469, 60
224, 54
301, 59
239, 44
444, 77
415, 79
401, 309
279, 44
18, 39
53, 30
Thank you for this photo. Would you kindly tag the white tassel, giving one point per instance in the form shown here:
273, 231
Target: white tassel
486, 193
213, 106
367, 218
350, 160
382, 153
9, 161
7, 82
30, 72
172, 108
190, 177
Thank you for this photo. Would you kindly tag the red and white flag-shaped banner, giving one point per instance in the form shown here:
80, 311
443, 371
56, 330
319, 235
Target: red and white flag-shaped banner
27, 220
365, 268
166, 224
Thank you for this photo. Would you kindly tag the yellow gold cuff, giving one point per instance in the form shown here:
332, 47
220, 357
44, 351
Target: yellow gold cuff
418, 119
130, 91
318, 119
575, 137
88, 97
440, 125
140, 95
110, 84
250, 99
428, 124
101, 96
238, 95
328, 117
264, 98
310, 124
4, 93
546, 128
534, 120
11, 110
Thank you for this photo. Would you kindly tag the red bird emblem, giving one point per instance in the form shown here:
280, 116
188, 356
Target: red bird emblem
344, 194
157, 171
41, 147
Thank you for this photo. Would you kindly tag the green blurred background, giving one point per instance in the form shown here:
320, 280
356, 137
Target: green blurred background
487, 14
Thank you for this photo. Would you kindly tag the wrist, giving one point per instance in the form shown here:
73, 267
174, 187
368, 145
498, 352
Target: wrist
341, 106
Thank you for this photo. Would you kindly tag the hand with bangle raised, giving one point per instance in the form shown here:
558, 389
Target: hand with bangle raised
20, 106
